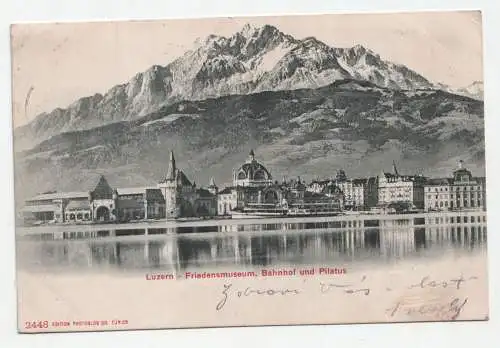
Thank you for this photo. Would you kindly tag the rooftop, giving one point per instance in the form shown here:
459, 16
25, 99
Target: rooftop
59, 195
439, 181
131, 191
40, 208
154, 194
204, 193
78, 205
226, 191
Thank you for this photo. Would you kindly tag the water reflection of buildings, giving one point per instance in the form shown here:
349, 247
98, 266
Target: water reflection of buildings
176, 253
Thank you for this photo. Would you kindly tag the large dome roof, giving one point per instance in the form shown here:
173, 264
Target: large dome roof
253, 170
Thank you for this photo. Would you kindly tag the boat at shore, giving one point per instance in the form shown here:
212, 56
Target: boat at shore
251, 213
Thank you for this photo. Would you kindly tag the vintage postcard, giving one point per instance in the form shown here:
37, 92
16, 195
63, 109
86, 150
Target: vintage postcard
250, 171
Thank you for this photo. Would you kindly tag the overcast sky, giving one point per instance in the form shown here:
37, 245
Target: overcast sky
63, 62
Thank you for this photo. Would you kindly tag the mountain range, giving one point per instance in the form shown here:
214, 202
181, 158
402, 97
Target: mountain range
307, 110
253, 60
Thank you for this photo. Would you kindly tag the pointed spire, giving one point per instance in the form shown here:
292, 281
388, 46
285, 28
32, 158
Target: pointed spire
212, 182
171, 167
394, 169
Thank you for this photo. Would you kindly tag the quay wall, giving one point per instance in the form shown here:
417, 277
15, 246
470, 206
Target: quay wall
354, 221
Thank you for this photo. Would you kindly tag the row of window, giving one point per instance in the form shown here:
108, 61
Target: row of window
457, 188
465, 195
393, 189
458, 219
77, 217
465, 204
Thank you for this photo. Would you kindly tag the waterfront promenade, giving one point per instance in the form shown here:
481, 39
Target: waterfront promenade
362, 220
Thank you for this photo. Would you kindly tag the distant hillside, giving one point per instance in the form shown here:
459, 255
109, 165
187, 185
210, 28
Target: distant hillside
349, 124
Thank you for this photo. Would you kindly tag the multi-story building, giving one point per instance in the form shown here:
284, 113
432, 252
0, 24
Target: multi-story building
462, 191
358, 194
438, 193
330, 199
317, 186
227, 200
395, 188
371, 192
139, 203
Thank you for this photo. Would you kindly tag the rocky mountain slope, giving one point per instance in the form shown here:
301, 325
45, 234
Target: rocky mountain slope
348, 124
250, 61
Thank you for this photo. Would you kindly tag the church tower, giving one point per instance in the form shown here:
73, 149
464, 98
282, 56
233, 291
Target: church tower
170, 191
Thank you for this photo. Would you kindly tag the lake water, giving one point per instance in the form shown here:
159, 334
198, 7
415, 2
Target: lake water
240, 247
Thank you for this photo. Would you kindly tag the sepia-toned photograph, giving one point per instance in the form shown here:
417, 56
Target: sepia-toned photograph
217, 172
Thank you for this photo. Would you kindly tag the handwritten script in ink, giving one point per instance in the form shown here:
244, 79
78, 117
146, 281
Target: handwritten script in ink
449, 310
445, 310
229, 292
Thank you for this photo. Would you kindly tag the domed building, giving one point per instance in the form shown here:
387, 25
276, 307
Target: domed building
252, 174
249, 182
255, 193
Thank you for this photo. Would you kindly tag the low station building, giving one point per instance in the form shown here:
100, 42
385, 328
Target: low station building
174, 196
101, 203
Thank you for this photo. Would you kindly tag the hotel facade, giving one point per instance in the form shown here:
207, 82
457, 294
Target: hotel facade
394, 188
461, 191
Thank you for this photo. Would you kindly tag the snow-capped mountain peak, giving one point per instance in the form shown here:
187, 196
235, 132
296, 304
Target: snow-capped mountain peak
256, 58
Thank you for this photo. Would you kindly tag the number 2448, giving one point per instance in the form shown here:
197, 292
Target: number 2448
36, 324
